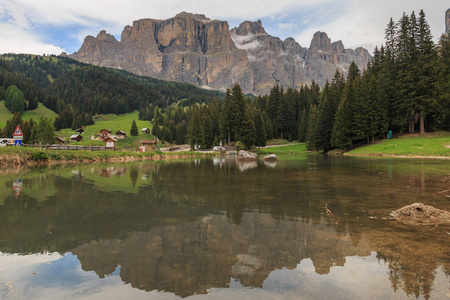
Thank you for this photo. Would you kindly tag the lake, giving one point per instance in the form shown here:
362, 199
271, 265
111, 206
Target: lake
216, 229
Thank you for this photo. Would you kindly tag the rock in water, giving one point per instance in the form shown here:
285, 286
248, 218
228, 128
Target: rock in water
244, 155
271, 157
421, 214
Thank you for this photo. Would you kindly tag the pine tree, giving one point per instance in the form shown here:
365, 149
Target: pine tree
247, 131
303, 126
426, 68
273, 104
325, 121
344, 127
313, 121
238, 110
225, 121
444, 82
134, 130
405, 55
208, 139
195, 131
260, 132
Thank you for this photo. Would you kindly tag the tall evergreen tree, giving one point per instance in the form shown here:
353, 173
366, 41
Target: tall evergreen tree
343, 133
325, 121
134, 130
247, 130
303, 125
313, 121
426, 68
195, 131
260, 132
444, 82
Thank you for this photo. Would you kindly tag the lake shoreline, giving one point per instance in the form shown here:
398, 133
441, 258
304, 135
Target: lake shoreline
385, 155
34, 157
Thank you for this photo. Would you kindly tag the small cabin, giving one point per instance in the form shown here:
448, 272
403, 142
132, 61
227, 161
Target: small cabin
80, 130
145, 130
121, 135
148, 144
60, 140
110, 142
105, 132
76, 137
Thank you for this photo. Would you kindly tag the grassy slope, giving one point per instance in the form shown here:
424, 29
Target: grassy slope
295, 149
40, 111
115, 123
5, 114
431, 144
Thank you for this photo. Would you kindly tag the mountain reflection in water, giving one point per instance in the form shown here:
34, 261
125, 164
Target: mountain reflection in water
197, 227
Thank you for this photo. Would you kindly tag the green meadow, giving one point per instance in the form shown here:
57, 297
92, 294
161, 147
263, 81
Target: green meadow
290, 149
114, 123
430, 144
40, 111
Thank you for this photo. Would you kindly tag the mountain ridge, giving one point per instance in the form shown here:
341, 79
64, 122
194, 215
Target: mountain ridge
194, 49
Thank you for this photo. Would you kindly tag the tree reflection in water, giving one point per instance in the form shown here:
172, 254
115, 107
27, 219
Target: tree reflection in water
186, 227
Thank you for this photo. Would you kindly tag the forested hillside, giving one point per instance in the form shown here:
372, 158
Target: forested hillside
72, 88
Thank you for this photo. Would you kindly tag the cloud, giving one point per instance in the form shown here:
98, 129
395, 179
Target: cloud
13, 39
355, 22
287, 26
363, 22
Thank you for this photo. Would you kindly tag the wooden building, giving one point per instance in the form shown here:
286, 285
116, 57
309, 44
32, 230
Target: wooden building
150, 145
110, 142
60, 140
121, 135
76, 137
104, 133
145, 130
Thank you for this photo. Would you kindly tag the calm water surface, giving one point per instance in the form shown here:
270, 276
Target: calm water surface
214, 229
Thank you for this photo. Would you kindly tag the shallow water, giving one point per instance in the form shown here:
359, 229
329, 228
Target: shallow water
215, 229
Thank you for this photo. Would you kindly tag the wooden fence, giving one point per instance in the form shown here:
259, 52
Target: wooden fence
74, 147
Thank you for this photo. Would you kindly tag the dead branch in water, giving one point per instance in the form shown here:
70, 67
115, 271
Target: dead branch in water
330, 214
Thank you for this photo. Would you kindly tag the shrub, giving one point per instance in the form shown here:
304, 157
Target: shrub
39, 156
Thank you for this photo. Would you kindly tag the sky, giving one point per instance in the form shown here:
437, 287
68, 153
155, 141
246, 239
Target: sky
54, 26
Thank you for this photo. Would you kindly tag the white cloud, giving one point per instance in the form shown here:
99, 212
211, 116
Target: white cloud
13, 39
287, 26
364, 22
356, 23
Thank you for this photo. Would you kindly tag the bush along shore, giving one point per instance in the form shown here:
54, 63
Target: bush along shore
16, 156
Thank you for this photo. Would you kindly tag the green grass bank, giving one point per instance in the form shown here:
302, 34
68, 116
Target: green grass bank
432, 145
14, 156
288, 149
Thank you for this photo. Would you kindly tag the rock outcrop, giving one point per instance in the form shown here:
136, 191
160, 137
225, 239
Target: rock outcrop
288, 64
187, 48
447, 21
194, 49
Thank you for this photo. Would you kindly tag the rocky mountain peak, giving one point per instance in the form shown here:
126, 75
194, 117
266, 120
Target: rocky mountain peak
447, 21
320, 41
199, 17
106, 37
248, 27
337, 47
195, 49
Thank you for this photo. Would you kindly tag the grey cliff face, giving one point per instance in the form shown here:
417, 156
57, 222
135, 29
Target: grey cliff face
188, 48
447, 21
194, 49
